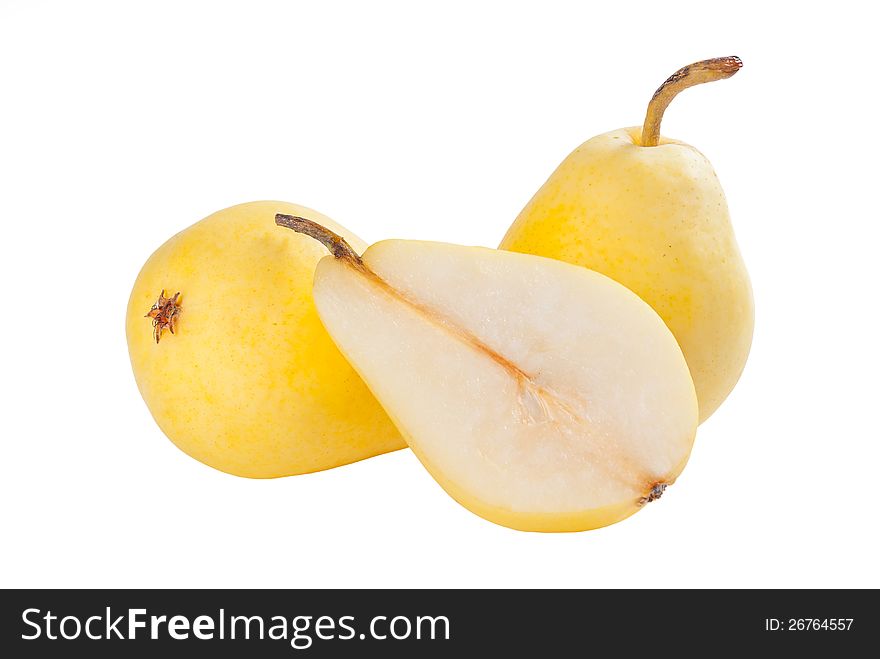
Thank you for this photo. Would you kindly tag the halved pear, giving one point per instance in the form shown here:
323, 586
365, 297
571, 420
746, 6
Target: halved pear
542, 396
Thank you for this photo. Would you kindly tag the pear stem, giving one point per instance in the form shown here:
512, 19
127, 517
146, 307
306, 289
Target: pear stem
334, 242
707, 70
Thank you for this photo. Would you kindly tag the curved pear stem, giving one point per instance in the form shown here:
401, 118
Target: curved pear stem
334, 242
707, 70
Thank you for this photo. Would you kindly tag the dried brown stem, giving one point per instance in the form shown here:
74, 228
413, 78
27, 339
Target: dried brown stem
334, 242
697, 73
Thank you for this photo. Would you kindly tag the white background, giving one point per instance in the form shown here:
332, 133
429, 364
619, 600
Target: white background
122, 123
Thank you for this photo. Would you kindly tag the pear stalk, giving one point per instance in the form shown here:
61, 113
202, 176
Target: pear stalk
337, 245
697, 73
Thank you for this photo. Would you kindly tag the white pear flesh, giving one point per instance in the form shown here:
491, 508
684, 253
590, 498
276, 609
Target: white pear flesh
541, 395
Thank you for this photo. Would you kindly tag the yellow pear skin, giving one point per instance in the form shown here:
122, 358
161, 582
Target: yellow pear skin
237, 370
655, 219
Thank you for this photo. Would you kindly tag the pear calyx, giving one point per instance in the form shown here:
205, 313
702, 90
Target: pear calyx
656, 491
164, 313
708, 70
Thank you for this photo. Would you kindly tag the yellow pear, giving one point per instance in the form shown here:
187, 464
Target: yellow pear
540, 395
231, 357
650, 213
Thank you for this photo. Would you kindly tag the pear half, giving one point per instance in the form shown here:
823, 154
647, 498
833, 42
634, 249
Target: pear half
542, 396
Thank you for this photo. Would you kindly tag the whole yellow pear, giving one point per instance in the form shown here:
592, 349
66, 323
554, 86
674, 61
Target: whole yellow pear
231, 358
650, 213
